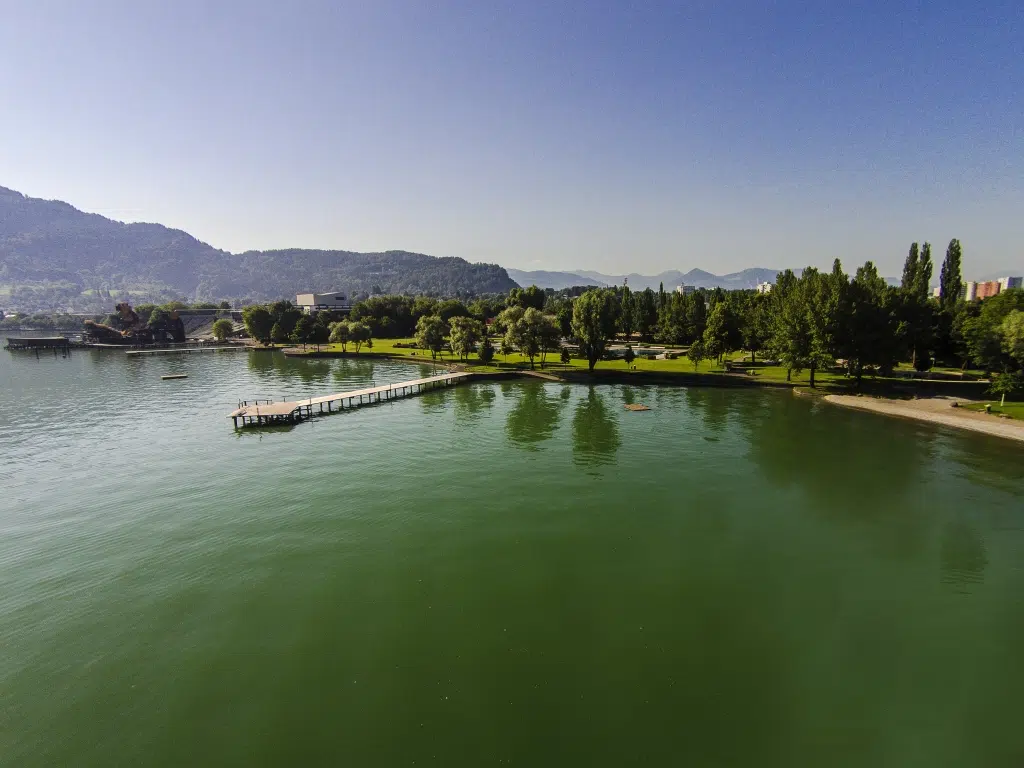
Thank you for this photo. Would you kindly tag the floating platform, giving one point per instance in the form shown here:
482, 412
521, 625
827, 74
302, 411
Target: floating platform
267, 413
38, 342
167, 376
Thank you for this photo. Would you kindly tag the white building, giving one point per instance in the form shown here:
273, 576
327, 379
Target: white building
1006, 283
764, 287
686, 290
971, 292
314, 302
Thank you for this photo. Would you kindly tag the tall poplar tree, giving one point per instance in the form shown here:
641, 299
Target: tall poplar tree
924, 273
949, 277
910, 269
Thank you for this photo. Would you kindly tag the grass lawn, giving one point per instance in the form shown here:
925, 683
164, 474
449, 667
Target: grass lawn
1013, 410
681, 365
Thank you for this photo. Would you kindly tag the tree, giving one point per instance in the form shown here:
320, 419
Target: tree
340, 335
593, 323
949, 277
697, 353
323, 317
258, 321
430, 334
791, 332
985, 335
910, 269
755, 326
302, 330
320, 334
286, 315
1004, 384
446, 310
465, 332
506, 348
508, 317
924, 273
565, 356
629, 357
716, 335
825, 301
874, 332
359, 334
673, 323
525, 330
550, 336
486, 350
645, 313
1013, 336
222, 329
563, 316
423, 306
626, 312
277, 333
527, 297
696, 315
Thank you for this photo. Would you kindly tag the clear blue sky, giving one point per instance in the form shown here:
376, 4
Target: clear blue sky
543, 135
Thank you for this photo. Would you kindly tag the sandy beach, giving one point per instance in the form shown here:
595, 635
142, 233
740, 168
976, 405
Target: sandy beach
937, 410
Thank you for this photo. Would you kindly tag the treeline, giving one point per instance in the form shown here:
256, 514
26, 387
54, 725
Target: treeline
282, 323
815, 321
44, 322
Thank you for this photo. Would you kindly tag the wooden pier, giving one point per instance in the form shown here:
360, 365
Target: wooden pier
267, 413
184, 350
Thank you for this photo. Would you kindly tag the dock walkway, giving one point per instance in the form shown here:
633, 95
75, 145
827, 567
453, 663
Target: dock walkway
185, 350
269, 413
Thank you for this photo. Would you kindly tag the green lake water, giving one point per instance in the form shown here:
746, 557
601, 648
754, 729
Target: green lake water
517, 573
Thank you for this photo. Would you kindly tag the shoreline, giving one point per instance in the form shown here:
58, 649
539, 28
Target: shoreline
934, 411
570, 375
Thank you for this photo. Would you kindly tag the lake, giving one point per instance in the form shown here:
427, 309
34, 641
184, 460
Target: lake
514, 573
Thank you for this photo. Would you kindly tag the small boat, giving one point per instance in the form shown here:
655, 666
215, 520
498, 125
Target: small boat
174, 376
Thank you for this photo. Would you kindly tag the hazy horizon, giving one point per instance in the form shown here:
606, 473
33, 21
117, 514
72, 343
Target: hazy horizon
582, 136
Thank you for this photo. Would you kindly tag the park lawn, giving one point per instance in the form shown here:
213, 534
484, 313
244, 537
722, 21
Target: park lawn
826, 381
1013, 410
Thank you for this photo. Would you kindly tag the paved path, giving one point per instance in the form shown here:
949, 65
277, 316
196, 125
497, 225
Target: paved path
936, 410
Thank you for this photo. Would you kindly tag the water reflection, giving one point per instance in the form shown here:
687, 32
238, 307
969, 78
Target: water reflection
534, 417
963, 556
712, 405
278, 365
595, 432
984, 460
355, 374
851, 471
471, 400
837, 457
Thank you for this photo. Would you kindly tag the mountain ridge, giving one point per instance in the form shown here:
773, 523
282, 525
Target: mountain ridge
51, 242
